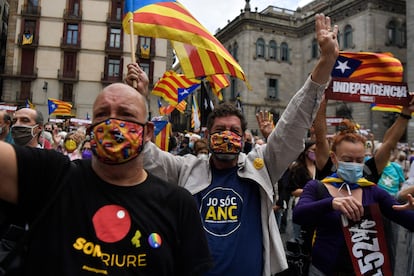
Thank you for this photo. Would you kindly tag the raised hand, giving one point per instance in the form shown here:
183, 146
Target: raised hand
265, 122
326, 36
137, 78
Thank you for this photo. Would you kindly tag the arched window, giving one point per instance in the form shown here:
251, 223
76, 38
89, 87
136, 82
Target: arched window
272, 50
315, 49
230, 49
392, 32
260, 45
348, 43
284, 51
235, 50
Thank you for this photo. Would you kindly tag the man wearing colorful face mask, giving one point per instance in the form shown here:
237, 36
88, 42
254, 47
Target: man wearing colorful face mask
235, 192
27, 127
5, 125
340, 199
110, 216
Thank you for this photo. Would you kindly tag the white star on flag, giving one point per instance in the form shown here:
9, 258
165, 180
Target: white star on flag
185, 91
342, 66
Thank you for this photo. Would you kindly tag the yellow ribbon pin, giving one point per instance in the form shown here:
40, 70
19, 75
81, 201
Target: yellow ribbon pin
258, 163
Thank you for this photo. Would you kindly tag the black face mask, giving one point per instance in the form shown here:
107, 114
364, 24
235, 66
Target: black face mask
22, 135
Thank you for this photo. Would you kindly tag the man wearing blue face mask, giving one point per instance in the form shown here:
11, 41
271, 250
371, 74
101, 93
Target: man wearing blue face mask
235, 191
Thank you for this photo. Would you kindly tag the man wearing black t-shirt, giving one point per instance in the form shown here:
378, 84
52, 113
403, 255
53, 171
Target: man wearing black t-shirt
109, 215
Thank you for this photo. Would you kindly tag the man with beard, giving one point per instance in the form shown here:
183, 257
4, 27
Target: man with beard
234, 191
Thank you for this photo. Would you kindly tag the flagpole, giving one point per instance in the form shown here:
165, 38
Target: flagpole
131, 43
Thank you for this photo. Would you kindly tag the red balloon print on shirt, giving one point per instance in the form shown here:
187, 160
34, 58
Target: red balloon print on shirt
111, 223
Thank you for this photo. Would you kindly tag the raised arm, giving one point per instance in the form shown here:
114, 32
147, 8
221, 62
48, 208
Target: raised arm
392, 136
328, 44
321, 142
8, 173
287, 139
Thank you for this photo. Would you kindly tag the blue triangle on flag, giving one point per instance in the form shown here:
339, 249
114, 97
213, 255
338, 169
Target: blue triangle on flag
344, 67
185, 92
158, 126
52, 106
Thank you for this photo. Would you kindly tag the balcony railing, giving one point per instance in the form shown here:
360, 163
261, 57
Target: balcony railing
72, 14
64, 44
30, 10
106, 79
68, 76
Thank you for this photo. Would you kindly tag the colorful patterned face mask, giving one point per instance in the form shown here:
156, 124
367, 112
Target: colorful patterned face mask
115, 141
225, 142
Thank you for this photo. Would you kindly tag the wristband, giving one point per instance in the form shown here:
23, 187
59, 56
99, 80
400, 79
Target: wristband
405, 116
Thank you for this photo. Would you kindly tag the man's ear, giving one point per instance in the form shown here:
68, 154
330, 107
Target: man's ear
149, 132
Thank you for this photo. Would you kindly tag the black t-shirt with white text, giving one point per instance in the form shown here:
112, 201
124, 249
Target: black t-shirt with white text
96, 228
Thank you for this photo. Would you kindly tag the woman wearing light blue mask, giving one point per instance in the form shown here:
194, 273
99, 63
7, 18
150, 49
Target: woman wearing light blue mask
339, 199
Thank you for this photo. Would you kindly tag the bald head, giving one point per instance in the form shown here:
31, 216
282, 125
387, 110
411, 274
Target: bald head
28, 117
119, 100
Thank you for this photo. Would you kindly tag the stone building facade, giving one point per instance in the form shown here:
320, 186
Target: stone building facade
277, 50
70, 50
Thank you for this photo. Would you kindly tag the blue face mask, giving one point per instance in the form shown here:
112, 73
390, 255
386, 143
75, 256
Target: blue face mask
350, 171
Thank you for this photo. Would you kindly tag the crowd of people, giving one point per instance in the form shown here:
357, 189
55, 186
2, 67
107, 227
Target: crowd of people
207, 206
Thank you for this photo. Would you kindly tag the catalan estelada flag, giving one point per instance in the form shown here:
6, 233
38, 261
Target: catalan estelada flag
174, 87
58, 107
198, 62
171, 20
27, 39
218, 82
29, 104
368, 66
162, 130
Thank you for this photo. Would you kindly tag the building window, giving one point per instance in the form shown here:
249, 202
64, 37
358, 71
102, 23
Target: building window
72, 34
74, 6
402, 30
272, 89
69, 64
235, 50
284, 52
29, 27
260, 48
392, 32
348, 37
272, 50
25, 90
315, 48
67, 94
114, 66
115, 38
230, 49
145, 46
116, 13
